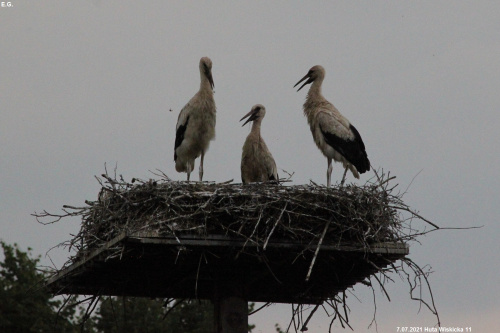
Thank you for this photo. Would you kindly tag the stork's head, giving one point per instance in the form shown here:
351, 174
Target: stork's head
316, 73
257, 113
206, 69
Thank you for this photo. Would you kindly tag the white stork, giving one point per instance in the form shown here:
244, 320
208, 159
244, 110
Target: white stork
334, 135
257, 162
196, 124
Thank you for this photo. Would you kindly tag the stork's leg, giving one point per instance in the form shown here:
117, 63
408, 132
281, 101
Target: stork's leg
188, 170
343, 177
201, 165
329, 172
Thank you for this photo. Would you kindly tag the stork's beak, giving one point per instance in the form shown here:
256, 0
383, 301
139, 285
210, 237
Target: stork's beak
252, 114
308, 75
210, 79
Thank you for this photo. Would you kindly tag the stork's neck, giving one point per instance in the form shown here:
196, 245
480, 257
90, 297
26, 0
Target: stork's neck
205, 84
314, 98
256, 126
315, 91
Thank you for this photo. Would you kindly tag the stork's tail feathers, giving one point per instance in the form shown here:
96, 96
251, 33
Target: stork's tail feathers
359, 165
362, 164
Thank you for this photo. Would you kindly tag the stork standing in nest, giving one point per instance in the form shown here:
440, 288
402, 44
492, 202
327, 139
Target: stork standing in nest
196, 124
334, 135
257, 162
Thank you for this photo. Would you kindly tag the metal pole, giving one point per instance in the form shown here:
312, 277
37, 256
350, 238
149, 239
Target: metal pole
231, 315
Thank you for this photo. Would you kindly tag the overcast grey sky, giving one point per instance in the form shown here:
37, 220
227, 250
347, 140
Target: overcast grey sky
91, 82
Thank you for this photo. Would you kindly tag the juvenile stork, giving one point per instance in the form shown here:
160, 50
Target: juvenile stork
196, 124
334, 135
257, 162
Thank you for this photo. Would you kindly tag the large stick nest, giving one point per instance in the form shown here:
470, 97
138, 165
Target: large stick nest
357, 214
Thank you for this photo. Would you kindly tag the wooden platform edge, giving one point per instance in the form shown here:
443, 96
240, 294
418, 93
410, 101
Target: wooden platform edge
74, 266
390, 248
217, 240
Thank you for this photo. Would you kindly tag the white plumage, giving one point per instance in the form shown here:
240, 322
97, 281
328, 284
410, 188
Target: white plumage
334, 135
257, 162
196, 124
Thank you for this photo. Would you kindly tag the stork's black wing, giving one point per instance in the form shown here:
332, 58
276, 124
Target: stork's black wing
352, 149
179, 136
